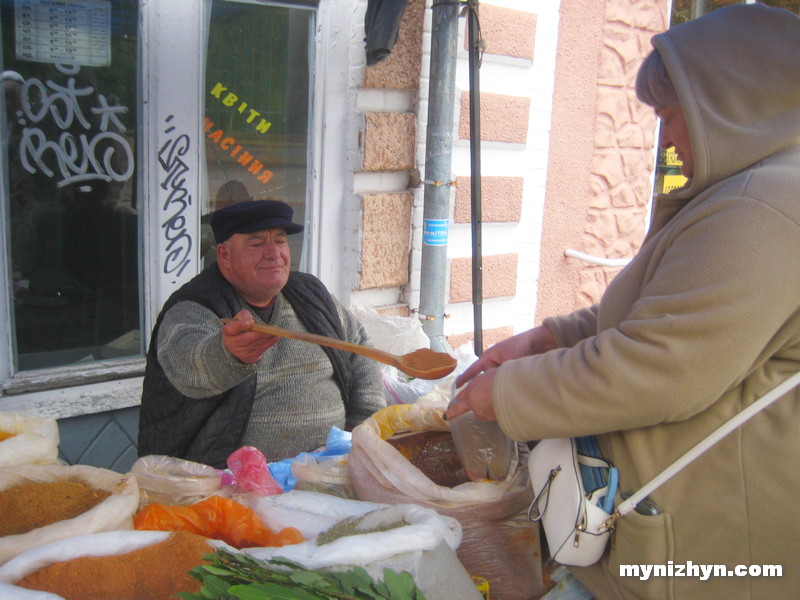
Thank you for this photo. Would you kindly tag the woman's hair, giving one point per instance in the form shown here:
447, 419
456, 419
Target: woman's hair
653, 84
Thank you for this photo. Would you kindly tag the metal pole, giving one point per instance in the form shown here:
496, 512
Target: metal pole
474, 50
438, 159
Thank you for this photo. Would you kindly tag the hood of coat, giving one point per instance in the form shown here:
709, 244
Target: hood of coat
737, 75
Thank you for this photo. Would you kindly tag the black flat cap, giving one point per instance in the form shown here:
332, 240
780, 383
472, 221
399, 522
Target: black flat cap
250, 216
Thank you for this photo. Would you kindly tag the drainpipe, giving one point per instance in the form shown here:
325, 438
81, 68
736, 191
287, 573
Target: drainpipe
438, 159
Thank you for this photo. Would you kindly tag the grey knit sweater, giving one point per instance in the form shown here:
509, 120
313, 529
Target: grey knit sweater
297, 399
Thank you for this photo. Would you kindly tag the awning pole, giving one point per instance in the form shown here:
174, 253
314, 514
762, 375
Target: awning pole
474, 50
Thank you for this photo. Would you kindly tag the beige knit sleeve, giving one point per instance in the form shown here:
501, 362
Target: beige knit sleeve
192, 354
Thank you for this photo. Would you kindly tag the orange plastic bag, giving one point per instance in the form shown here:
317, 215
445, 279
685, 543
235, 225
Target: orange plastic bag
217, 518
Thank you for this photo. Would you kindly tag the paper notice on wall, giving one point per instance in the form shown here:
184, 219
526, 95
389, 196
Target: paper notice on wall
76, 32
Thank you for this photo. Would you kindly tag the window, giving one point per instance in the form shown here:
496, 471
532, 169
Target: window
257, 108
114, 152
69, 144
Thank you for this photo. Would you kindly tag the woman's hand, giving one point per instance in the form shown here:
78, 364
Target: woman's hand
534, 341
248, 346
479, 376
477, 397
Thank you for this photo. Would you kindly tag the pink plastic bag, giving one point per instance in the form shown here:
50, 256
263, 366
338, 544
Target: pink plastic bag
251, 472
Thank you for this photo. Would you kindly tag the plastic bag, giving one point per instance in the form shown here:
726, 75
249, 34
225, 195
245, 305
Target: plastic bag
566, 587
326, 475
33, 440
499, 542
251, 472
392, 333
171, 480
483, 449
396, 335
113, 513
337, 446
217, 518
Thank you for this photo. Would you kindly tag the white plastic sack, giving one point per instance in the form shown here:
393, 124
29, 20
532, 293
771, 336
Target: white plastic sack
114, 513
35, 440
397, 335
12, 592
424, 547
392, 333
109, 543
500, 543
379, 460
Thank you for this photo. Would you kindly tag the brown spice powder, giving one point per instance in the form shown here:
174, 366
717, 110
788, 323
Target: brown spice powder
156, 572
433, 453
425, 359
32, 505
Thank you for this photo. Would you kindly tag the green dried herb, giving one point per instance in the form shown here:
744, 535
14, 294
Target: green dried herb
356, 526
239, 576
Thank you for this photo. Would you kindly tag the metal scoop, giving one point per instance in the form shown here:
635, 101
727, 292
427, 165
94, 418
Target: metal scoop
423, 363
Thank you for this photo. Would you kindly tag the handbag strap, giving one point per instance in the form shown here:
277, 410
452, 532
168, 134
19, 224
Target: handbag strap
629, 504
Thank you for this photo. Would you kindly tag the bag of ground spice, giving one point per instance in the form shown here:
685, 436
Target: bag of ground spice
45, 503
119, 565
499, 543
26, 440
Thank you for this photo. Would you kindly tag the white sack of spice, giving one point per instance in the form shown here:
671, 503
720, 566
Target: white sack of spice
345, 533
26, 440
114, 513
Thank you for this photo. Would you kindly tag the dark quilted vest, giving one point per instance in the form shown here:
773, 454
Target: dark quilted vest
207, 430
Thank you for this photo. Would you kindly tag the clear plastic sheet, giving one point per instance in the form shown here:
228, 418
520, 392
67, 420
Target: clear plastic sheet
171, 480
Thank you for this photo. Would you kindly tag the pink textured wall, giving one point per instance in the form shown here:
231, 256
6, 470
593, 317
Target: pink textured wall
600, 159
507, 32
499, 274
503, 118
389, 144
505, 194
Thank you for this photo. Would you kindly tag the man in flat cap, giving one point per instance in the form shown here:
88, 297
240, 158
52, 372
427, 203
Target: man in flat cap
210, 389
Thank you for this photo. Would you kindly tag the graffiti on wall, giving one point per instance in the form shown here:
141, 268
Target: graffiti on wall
178, 200
70, 133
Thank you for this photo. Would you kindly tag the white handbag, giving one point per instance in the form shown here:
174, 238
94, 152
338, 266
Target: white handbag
573, 518
577, 524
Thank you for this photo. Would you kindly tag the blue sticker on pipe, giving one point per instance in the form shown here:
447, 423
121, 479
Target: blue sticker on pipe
434, 232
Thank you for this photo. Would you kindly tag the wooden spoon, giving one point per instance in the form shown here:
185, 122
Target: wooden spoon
423, 363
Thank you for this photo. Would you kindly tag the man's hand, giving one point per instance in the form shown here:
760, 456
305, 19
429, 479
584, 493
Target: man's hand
248, 346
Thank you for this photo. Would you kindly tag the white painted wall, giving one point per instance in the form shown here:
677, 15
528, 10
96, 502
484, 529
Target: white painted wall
513, 77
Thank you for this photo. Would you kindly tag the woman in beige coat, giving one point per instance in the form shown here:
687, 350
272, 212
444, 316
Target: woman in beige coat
701, 323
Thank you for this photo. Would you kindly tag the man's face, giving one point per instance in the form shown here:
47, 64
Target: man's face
256, 264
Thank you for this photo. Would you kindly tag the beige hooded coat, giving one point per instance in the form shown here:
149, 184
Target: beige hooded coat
702, 322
